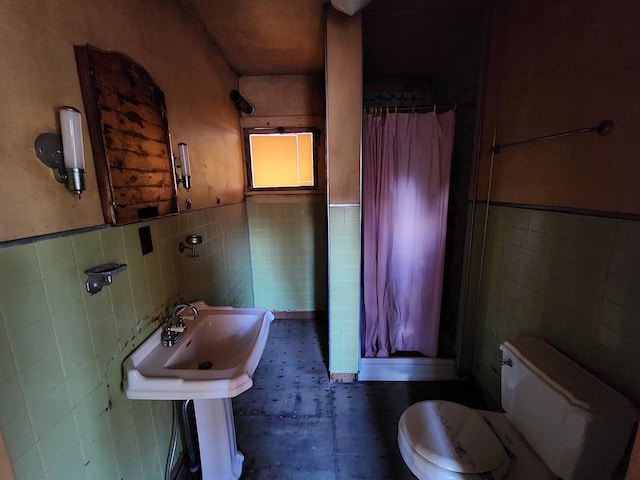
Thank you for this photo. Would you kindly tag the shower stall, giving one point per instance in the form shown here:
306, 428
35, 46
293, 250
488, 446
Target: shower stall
406, 172
428, 63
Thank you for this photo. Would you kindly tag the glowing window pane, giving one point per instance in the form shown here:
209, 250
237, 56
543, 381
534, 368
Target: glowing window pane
305, 159
281, 160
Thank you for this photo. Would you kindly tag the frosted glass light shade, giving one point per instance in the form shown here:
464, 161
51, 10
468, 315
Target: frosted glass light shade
183, 154
71, 127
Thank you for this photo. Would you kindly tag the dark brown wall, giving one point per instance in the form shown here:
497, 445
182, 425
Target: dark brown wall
559, 66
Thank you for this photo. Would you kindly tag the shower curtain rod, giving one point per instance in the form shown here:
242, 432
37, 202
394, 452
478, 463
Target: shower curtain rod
603, 128
379, 110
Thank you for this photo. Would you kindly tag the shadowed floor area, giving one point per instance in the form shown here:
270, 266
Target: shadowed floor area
293, 424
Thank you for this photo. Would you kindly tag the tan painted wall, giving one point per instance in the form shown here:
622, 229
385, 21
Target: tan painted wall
283, 96
561, 66
344, 106
40, 74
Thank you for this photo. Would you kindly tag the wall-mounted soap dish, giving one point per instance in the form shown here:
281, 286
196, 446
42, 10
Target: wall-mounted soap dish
192, 240
102, 276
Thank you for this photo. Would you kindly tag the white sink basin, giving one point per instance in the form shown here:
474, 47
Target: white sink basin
215, 358
213, 362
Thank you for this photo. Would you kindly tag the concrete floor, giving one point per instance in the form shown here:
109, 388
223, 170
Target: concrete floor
294, 425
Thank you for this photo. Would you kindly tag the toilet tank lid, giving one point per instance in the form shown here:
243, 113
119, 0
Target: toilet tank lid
580, 387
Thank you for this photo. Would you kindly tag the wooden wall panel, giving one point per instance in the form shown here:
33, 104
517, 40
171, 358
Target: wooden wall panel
126, 114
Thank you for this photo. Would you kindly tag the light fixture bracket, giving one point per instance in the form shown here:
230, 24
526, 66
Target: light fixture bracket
48, 147
184, 180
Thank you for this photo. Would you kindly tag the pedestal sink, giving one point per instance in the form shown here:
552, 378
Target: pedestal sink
213, 362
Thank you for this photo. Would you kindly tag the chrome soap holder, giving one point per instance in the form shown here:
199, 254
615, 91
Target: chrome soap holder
101, 276
192, 240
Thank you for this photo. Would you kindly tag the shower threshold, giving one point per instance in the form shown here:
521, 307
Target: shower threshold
407, 369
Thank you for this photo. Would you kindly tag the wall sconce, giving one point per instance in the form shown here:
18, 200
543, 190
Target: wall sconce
64, 153
185, 167
241, 103
192, 240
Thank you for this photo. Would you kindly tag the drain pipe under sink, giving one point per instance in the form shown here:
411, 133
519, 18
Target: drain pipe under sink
171, 456
193, 460
185, 429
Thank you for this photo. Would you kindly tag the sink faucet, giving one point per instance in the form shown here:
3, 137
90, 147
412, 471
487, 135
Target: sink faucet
176, 326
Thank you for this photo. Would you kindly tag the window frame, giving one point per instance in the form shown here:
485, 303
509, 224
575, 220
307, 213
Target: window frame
316, 139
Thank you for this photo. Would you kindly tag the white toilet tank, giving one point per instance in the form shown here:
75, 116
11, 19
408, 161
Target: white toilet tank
576, 423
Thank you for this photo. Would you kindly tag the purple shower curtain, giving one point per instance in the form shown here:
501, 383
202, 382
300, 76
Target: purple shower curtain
406, 165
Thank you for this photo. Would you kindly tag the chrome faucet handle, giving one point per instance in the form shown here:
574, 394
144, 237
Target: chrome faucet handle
175, 325
182, 306
176, 328
171, 333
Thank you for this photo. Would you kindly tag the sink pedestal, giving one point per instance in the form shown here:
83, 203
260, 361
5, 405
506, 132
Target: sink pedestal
219, 455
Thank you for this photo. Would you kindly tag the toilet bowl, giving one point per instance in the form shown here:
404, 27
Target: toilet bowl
560, 421
459, 443
456, 444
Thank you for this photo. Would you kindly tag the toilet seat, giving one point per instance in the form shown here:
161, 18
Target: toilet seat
440, 439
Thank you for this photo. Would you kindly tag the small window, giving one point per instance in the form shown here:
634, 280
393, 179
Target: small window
281, 159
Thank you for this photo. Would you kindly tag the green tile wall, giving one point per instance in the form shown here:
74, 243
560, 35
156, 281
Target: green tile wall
571, 279
289, 255
221, 275
62, 411
344, 288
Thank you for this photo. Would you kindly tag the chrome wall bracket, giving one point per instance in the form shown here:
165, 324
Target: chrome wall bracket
102, 276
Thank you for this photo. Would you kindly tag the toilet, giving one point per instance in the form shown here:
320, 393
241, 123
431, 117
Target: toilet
560, 421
